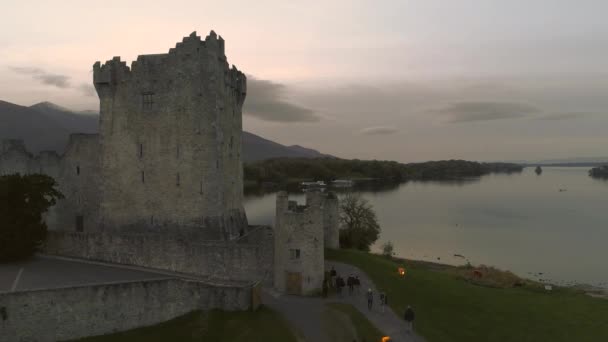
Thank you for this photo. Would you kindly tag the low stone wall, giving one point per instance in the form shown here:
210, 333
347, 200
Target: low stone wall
222, 260
75, 312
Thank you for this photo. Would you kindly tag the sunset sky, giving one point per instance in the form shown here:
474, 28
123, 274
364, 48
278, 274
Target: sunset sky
406, 80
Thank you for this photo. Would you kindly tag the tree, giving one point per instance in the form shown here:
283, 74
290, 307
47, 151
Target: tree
388, 249
23, 200
360, 222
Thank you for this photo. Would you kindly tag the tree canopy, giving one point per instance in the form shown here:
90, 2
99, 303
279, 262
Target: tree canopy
361, 228
23, 200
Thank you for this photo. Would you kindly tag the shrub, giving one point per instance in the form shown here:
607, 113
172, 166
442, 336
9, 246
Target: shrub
388, 249
23, 200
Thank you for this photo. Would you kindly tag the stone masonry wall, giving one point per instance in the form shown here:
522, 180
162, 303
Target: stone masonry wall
75, 312
331, 221
170, 133
229, 260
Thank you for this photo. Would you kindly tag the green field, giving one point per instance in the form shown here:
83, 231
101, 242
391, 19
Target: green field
451, 309
263, 325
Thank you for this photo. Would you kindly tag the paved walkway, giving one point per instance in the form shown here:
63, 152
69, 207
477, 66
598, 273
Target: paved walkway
47, 272
306, 313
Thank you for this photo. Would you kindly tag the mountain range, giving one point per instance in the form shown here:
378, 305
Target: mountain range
47, 126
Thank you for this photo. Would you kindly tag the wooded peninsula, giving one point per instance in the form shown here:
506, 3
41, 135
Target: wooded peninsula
283, 170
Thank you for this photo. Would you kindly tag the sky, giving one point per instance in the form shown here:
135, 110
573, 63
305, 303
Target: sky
406, 80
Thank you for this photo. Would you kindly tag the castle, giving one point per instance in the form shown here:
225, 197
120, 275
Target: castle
161, 185
168, 153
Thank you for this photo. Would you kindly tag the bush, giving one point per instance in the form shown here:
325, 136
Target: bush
388, 249
23, 200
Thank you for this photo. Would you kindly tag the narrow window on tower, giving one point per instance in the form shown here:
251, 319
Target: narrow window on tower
147, 100
143, 177
79, 223
294, 254
78, 169
177, 179
141, 150
200, 190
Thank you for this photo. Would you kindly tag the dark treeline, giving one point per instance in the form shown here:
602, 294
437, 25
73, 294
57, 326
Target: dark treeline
599, 172
284, 170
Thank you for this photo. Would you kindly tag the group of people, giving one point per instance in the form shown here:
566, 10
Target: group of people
382, 297
337, 282
353, 283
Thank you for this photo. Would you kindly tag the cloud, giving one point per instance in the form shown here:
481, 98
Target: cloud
460, 112
87, 89
47, 78
379, 130
266, 101
564, 116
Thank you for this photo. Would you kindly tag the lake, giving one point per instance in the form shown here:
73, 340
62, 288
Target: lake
519, 222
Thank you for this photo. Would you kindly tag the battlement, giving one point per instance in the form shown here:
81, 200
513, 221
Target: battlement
16, 145
190, 50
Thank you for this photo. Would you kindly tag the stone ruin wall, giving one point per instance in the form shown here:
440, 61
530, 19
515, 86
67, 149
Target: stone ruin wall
249, 260
331, 221
68, 313
76, 173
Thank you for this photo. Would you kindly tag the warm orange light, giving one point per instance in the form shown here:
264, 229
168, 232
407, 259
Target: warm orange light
401, 271
386, 339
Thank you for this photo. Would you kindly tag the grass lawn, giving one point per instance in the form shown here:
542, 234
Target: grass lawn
362, 329
450, 309
217, 326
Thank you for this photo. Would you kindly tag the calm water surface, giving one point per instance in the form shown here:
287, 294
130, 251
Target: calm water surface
520, 222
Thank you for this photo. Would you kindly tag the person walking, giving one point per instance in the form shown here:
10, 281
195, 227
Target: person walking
370, 299
350, 282
357, 284
409, 318
339, 285
332, 276
383, 301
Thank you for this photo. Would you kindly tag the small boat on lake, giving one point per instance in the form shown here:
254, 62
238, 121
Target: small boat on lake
342, 183
313, 185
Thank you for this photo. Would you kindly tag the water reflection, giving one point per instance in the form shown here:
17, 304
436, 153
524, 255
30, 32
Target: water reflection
553, 224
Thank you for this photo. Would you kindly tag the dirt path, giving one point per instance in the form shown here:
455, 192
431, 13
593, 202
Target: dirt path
306, 313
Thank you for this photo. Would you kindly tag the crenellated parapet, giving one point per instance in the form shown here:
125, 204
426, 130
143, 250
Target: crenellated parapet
111, 72
14, 145
192, 50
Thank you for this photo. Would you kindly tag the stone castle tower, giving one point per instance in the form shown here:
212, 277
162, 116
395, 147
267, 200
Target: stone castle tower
301, 234
170, 137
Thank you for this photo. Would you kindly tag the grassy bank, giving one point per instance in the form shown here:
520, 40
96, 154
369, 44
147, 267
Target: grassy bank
261, 326
449, 308
344, 322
